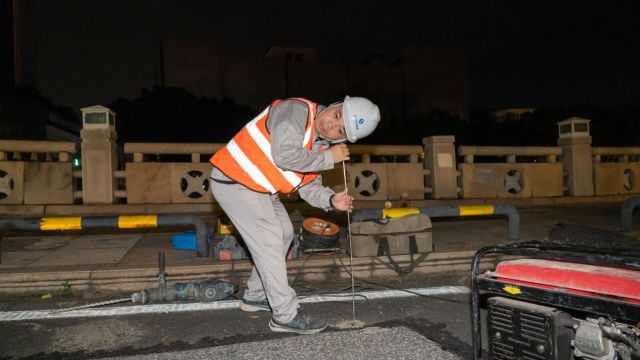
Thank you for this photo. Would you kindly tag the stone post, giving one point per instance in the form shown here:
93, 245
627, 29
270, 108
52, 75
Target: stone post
99, 155
575, 140
440, 165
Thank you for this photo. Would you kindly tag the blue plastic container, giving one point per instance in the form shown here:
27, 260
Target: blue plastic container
186, 240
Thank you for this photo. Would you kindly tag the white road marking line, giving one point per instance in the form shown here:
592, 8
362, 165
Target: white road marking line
222, 305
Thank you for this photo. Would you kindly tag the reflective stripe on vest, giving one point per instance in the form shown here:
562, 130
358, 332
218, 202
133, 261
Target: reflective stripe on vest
247, 157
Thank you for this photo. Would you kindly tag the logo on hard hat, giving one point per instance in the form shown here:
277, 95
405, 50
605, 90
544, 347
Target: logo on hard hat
358, 122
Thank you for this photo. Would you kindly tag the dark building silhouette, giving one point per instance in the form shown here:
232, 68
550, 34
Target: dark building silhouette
193, 65
7, 52
435, 78
419, 80
416, 80
24, 43
24, 112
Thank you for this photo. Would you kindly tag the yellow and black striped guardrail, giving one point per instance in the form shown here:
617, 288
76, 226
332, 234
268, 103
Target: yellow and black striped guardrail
626, 213
510, 211
113, 222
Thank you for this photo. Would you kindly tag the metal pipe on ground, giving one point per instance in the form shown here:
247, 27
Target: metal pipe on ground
513, 216
113, 222
626, 214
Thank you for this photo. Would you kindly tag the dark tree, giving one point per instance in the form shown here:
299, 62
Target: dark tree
173, 114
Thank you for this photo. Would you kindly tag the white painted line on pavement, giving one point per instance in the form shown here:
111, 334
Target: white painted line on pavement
224, 304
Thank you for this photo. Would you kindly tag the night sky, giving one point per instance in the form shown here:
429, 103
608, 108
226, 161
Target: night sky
519, 53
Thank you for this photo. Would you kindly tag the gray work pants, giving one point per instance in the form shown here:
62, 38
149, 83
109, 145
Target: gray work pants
265, 227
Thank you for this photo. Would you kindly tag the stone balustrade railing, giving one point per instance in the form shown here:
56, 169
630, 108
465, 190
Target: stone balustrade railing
616, 170
36, 172
550, 153
540, 175
14, 150
196, 150
40, 172
380, 172
616, 154
413, 152
151, 181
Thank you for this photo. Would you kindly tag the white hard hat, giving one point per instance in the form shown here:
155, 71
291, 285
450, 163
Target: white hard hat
361, 117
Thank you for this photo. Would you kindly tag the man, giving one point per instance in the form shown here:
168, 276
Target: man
282, 150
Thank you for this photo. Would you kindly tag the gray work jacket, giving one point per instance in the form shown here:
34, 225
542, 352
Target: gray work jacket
286, 124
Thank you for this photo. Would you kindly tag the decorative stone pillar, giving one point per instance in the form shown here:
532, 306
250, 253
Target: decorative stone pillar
440, 166
99, 155
575, 140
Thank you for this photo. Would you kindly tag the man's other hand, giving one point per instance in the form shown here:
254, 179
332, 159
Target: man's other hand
343, 202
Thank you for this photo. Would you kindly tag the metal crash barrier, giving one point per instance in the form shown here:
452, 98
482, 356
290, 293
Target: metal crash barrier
113, 222
626, 214
447, 211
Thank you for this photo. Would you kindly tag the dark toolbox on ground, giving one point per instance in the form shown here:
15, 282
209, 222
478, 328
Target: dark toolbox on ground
187, 240
227, 246
557, 301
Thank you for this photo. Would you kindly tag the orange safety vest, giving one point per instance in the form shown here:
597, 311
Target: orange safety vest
247, 157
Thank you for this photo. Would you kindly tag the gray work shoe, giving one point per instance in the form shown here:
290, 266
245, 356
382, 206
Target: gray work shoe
253, 306
301, 324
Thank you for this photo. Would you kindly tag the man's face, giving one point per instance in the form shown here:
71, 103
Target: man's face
330, 125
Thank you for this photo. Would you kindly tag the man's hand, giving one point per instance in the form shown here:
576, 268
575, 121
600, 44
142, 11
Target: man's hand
340, 152
341, 201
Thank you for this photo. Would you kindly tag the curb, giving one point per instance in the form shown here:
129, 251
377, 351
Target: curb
318, 269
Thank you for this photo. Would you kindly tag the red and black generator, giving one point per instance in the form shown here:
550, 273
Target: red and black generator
556, 301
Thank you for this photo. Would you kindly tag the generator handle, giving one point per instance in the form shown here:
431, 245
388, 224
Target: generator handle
476, 335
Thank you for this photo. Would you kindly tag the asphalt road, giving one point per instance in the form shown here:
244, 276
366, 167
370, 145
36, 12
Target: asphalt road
369, 343
409, 328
